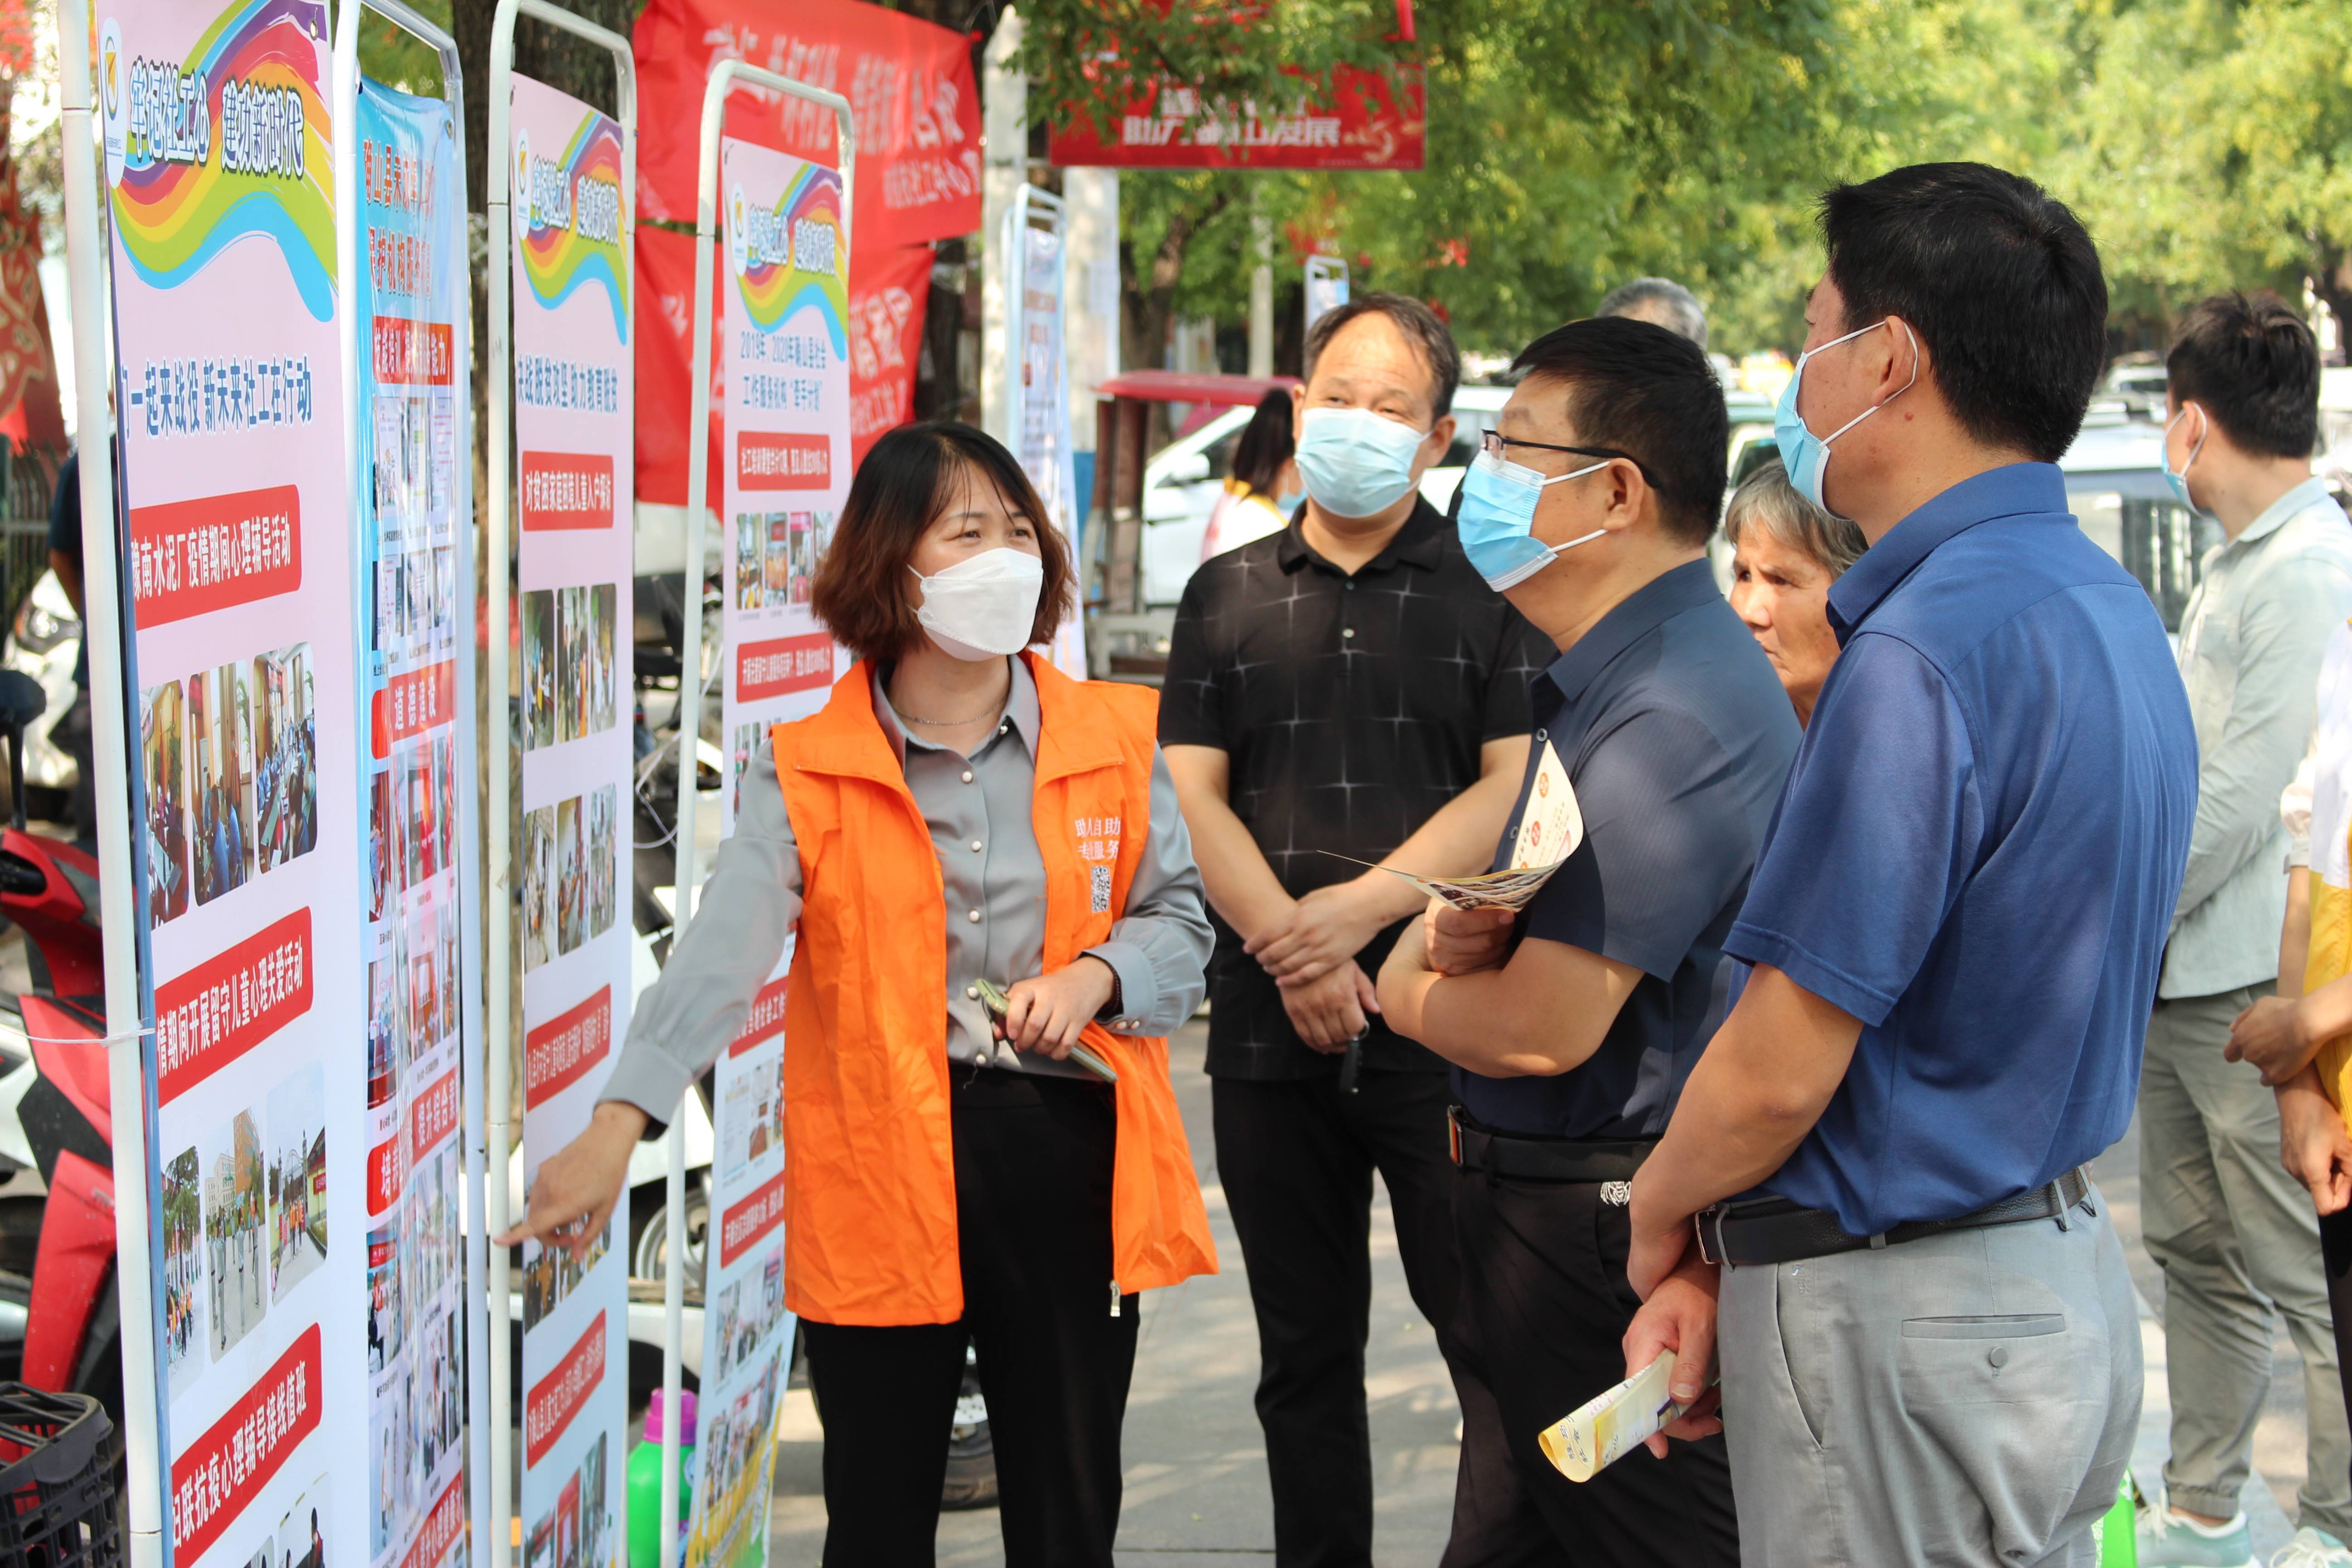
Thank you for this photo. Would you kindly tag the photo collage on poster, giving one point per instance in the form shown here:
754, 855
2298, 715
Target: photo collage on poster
231, 759
573, 389
300, 1538
417, 553
574, 1531
570, 871
244, 1216
774, 562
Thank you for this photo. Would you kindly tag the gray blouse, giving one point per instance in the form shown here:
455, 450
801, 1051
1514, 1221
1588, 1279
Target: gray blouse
978, 811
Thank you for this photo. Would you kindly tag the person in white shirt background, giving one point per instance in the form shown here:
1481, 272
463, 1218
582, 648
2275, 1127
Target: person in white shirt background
2233, 1232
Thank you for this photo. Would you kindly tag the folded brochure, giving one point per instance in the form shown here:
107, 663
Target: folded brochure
1611, 1425
992, 997
1550, 828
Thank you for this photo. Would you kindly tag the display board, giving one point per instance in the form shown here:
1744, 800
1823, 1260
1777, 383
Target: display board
784, 298
1041, 400
572, 409
238, 614
1325, 287
420, 923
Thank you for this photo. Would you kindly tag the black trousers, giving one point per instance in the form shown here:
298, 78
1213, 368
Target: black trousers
1033, 1169
1297, 1160
2336, 1256
1545, 1296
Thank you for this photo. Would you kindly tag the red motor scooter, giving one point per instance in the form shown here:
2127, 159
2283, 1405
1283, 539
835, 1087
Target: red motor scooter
48, 889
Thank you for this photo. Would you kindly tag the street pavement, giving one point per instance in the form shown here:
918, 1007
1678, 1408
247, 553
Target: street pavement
1196, 1491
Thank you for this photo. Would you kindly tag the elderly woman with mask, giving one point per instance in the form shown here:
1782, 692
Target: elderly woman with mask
1785, 554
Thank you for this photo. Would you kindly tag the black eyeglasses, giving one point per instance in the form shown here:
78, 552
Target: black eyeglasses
1494, 441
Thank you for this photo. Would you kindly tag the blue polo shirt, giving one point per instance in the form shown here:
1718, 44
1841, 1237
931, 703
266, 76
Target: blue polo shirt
1978, 855
1677, 737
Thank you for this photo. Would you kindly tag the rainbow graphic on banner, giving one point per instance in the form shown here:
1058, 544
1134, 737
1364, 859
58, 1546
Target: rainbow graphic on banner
177, 207
773, 290
557, 256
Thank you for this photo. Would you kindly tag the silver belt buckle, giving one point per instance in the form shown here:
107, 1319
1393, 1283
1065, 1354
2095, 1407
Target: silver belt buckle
1699, 1226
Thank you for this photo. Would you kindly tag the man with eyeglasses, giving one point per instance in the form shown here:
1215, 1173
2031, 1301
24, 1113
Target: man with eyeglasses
1573, 1026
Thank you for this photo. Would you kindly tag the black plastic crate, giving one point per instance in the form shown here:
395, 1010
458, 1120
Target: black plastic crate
57, 1503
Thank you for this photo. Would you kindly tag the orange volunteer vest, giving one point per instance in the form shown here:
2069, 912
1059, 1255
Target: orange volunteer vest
869, 1173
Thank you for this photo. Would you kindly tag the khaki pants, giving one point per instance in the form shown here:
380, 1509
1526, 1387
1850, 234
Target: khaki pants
1966, 1399
2239, 1243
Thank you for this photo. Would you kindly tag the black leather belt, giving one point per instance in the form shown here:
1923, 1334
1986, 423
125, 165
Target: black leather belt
1774, 1230
1524, 1159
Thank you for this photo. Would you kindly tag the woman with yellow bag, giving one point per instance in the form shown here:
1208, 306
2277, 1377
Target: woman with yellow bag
960, 817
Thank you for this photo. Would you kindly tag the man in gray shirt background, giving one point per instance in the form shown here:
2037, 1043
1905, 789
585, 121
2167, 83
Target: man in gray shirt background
2233, 1232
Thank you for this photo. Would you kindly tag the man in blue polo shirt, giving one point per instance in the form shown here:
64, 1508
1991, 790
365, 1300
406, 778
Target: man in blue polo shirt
1929, 1347
1663, 734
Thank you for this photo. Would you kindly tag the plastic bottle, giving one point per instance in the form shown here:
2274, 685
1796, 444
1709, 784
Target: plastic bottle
644, 1483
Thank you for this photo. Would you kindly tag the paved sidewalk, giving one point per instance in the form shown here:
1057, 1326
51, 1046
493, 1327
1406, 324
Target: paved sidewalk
1196, 1490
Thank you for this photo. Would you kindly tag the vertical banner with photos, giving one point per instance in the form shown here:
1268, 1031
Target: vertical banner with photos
573, 423
785, 288
415, 660
1041, 416
237, 587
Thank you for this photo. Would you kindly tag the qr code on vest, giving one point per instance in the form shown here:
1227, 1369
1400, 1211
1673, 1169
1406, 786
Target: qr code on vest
1100, 877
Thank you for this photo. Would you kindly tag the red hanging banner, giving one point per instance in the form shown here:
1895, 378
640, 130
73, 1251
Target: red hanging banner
1362, 124
909, 84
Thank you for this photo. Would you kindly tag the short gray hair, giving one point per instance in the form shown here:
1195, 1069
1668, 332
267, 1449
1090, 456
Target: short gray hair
1833, 543
1421, 327
1659, 300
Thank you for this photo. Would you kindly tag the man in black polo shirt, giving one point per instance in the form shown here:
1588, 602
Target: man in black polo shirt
1572, 1028
1347, 687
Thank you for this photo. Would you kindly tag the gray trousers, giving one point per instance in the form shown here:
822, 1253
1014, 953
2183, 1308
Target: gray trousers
2239, 1243
1963, 1401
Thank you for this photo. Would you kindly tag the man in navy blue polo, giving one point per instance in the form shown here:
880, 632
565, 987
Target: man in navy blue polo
1663, 736
1929, 1347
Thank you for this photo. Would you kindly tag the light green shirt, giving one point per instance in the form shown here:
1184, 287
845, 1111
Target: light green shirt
2250, 643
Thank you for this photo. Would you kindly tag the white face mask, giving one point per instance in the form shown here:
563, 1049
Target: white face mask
983, 607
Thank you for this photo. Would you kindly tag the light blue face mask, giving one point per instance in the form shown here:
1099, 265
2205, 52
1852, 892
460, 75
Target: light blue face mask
1353, 462
2180, 481
1804, 454
1499, 517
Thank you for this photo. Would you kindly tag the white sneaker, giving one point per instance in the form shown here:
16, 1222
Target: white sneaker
2312, 1549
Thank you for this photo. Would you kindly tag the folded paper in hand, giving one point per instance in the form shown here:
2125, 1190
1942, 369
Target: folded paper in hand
1550, 828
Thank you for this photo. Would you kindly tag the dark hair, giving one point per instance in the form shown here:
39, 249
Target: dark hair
2253, 364
1266, 443
1420, 328
2000, 281
907, 478
1678, 305
1650, 394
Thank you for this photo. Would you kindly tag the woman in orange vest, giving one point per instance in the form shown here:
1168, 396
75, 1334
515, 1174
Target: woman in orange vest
960, 813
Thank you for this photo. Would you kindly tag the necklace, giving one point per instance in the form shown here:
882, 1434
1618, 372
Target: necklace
993, 709
951, 723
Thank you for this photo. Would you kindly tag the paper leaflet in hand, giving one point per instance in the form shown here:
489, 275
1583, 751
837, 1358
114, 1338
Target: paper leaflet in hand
1611, 1425
1549, 830
992, 997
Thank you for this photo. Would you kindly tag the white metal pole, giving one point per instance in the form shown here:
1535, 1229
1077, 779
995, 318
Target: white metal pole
498, 1122
724, 76
120, 915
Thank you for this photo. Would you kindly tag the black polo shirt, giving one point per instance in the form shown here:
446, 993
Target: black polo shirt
1351, 710
1678, 737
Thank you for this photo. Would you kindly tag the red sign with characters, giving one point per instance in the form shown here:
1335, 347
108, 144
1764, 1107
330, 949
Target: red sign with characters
911, 90
1362, 123
782, 461
192, 557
